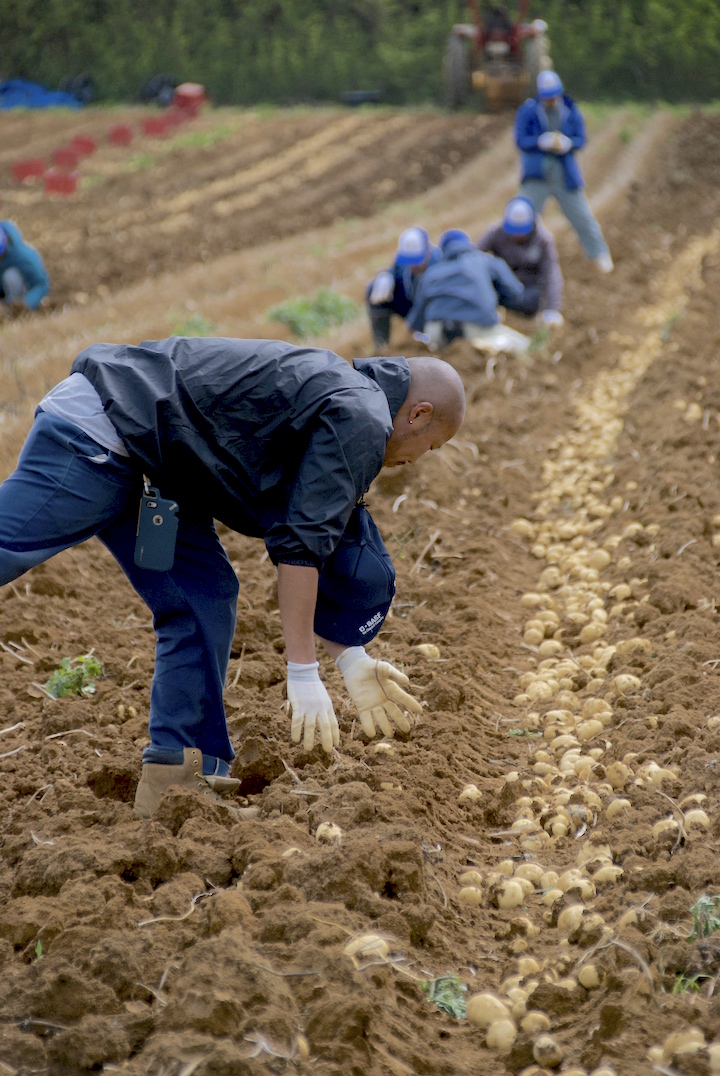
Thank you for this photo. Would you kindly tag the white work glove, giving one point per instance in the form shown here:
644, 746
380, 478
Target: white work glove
383, 288
374, 687
563, 144
309, 703
552, 318
546, 141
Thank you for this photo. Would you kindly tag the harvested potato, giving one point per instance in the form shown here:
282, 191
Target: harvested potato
501, 1035
484, 1009
470, 895
535, 1022
428, 650
328, 833
548, 1052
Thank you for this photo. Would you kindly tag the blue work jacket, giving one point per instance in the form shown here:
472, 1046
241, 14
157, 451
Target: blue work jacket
531, 122
276, 441
463, 286
406, 284
21, 256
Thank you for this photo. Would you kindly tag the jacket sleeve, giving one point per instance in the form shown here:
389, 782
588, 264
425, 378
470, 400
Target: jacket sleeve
526, 137
29, 265
486, 242
344, 454
37, 291
416, 317
577, 128
551, 275
503, 278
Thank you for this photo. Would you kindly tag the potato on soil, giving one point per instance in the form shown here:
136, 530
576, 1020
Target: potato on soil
485, 1009
328, 833
548, 1052
501, 1035
367, 945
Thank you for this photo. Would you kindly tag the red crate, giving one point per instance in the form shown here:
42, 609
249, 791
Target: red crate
120, 135
190, 97
58, 181
65, 158
83, 146
175, 116
154, 125
30, 168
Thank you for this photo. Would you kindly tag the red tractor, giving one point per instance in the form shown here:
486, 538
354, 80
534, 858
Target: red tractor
496, 56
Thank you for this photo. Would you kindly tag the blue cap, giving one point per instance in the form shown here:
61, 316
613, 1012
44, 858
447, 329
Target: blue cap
413, 247
3, 241
451, 236
549, 84
519, 216
356, 585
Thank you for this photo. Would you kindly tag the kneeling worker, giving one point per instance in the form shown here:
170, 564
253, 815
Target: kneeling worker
525, 244
458, 297
278, 442
22, 274
392, 290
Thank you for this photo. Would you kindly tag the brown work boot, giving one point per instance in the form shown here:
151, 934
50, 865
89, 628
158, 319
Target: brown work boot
157, 778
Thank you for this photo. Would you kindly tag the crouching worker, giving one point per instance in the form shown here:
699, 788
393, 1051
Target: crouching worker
458, 297
525, 244
392, 290
278, 442
22, 274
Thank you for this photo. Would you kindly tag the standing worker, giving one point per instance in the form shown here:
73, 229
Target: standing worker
393, 290
549, 128
525, 244
278, 442
458, 297
22, 274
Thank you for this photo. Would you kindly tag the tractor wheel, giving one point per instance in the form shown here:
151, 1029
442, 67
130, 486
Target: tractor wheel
456, 72
536, 58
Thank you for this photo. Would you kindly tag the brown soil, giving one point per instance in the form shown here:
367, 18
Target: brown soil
161, 204
187, 945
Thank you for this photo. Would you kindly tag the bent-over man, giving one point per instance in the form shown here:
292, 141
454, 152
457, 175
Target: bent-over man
23, 278
525, 244
276, 441
392, 291
458, 297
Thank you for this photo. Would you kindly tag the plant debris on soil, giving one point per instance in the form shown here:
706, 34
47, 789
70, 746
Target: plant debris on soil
188, 944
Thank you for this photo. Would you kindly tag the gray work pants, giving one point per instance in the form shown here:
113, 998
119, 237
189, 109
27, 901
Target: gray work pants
574, 205
13, 285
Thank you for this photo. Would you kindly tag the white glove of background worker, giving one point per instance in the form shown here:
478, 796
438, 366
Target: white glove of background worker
554, 142
552, 318
374, 687
383, 288
546, 141
309, 703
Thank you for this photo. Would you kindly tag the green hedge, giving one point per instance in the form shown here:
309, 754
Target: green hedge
244, 51
247, 51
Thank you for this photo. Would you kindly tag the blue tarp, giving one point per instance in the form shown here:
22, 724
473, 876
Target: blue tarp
19, 93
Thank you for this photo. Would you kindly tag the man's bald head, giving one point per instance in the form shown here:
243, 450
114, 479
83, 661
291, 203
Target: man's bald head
431, 414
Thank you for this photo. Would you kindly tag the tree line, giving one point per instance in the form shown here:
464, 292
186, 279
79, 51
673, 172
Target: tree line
290, 51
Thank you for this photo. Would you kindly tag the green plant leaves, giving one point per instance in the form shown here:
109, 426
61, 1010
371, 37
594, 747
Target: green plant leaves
448, 993
313, 317
74, 677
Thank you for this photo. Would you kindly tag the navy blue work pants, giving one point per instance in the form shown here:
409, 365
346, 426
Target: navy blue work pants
67, 488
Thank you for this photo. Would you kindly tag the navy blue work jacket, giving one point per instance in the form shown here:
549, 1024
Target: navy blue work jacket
276, 441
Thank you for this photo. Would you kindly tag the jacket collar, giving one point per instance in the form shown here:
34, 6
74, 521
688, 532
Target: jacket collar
391, 374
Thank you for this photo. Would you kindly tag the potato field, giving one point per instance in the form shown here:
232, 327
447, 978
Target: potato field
529, 881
